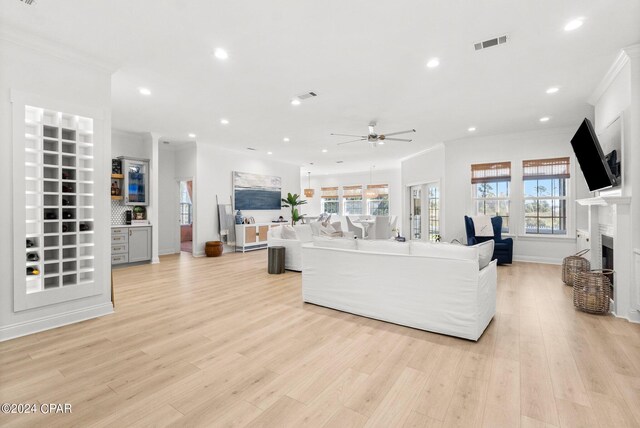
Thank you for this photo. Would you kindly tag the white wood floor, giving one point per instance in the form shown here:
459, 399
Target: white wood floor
219, 342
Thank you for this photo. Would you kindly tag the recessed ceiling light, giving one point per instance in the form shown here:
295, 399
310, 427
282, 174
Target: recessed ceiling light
295, 102
574, 24
471, 129
269, 153
324, 150
553, 90
192, 135
144, 91
224, 121
545, 119
433, 63
220, 53
381, 143
286, 139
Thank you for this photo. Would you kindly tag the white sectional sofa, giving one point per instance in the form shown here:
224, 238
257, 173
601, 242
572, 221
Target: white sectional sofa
293, 247
435, 287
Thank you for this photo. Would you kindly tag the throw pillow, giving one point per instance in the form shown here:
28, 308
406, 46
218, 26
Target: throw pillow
288, 232
485, 253
326, 242
304, 232
482, 225
275, 232
315, 228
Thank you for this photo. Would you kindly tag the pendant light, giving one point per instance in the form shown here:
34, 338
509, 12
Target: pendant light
370, 193
308, 192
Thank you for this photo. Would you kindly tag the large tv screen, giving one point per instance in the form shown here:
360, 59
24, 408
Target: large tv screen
592, 162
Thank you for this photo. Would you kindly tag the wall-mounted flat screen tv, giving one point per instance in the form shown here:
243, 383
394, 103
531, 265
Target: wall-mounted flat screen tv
592, 162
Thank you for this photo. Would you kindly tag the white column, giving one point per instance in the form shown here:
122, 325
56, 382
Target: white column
154, 182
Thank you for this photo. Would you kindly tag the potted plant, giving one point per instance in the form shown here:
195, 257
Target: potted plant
293, 201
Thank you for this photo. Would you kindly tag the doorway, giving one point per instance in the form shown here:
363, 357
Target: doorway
186, 215
424, 212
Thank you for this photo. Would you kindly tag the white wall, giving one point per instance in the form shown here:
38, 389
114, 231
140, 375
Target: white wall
175, 164
386, 176
213, 177
168, 202
541, 144
130, 144
57, 75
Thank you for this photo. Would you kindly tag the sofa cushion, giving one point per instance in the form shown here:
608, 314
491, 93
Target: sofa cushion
304, 232
326, 242
444, 250
485, 253
288, 232
383, 246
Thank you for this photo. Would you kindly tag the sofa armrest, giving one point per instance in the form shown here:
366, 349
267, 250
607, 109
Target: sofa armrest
472, 241
506, 241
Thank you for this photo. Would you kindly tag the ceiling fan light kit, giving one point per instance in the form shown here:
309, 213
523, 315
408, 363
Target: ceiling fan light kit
375, 139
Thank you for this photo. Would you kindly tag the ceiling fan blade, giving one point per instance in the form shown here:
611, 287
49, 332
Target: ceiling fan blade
397, 139
352, 141
401, 132
349, 135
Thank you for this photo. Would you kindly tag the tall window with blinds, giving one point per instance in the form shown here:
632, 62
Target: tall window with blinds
377, 199
545, 195
352, 200
491, 190
329, 200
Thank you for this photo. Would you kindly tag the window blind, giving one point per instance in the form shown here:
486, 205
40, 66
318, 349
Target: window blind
381, 189
490, 172
541, 169
329, 192
352, 192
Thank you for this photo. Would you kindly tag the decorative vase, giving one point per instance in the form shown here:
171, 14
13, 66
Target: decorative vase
239, 217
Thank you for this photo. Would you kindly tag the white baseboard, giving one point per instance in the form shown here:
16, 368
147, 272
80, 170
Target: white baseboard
168, 251
534, 259
53, 321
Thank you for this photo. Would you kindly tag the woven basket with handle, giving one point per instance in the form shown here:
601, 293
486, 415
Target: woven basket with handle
591, 291
574, 264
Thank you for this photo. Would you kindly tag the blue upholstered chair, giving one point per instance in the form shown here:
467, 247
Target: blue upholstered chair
503, 249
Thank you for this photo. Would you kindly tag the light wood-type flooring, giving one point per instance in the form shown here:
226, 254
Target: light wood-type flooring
219, 342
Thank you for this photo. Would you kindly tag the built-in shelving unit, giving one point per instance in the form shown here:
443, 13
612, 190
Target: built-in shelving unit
59, 195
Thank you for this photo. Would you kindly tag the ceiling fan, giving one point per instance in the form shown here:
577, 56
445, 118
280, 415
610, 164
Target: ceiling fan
375, 139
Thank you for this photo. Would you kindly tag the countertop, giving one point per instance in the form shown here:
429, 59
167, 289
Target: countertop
130, 225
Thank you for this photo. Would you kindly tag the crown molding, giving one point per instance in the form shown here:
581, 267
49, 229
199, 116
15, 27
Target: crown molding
20, 37
621, 60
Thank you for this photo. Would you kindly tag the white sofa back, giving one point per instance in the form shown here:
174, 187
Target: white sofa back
445, 294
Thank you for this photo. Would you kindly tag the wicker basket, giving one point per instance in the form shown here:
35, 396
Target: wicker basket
591, 291
574, 264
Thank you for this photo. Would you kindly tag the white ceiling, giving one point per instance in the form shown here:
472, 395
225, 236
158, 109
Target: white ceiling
365, 59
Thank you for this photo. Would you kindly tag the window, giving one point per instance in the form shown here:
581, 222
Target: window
545, 195
490, 183
329, 200
352, 200
379, 204
185, 204
434, 212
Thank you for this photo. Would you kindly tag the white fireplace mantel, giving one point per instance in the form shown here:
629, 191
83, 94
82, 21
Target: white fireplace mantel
603, 201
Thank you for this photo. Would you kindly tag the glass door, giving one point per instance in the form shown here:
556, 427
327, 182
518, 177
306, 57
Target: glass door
136, 182
415, 212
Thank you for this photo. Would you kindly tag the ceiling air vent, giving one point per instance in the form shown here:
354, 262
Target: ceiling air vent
251, 148
29, 2
500, 40
307, 95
